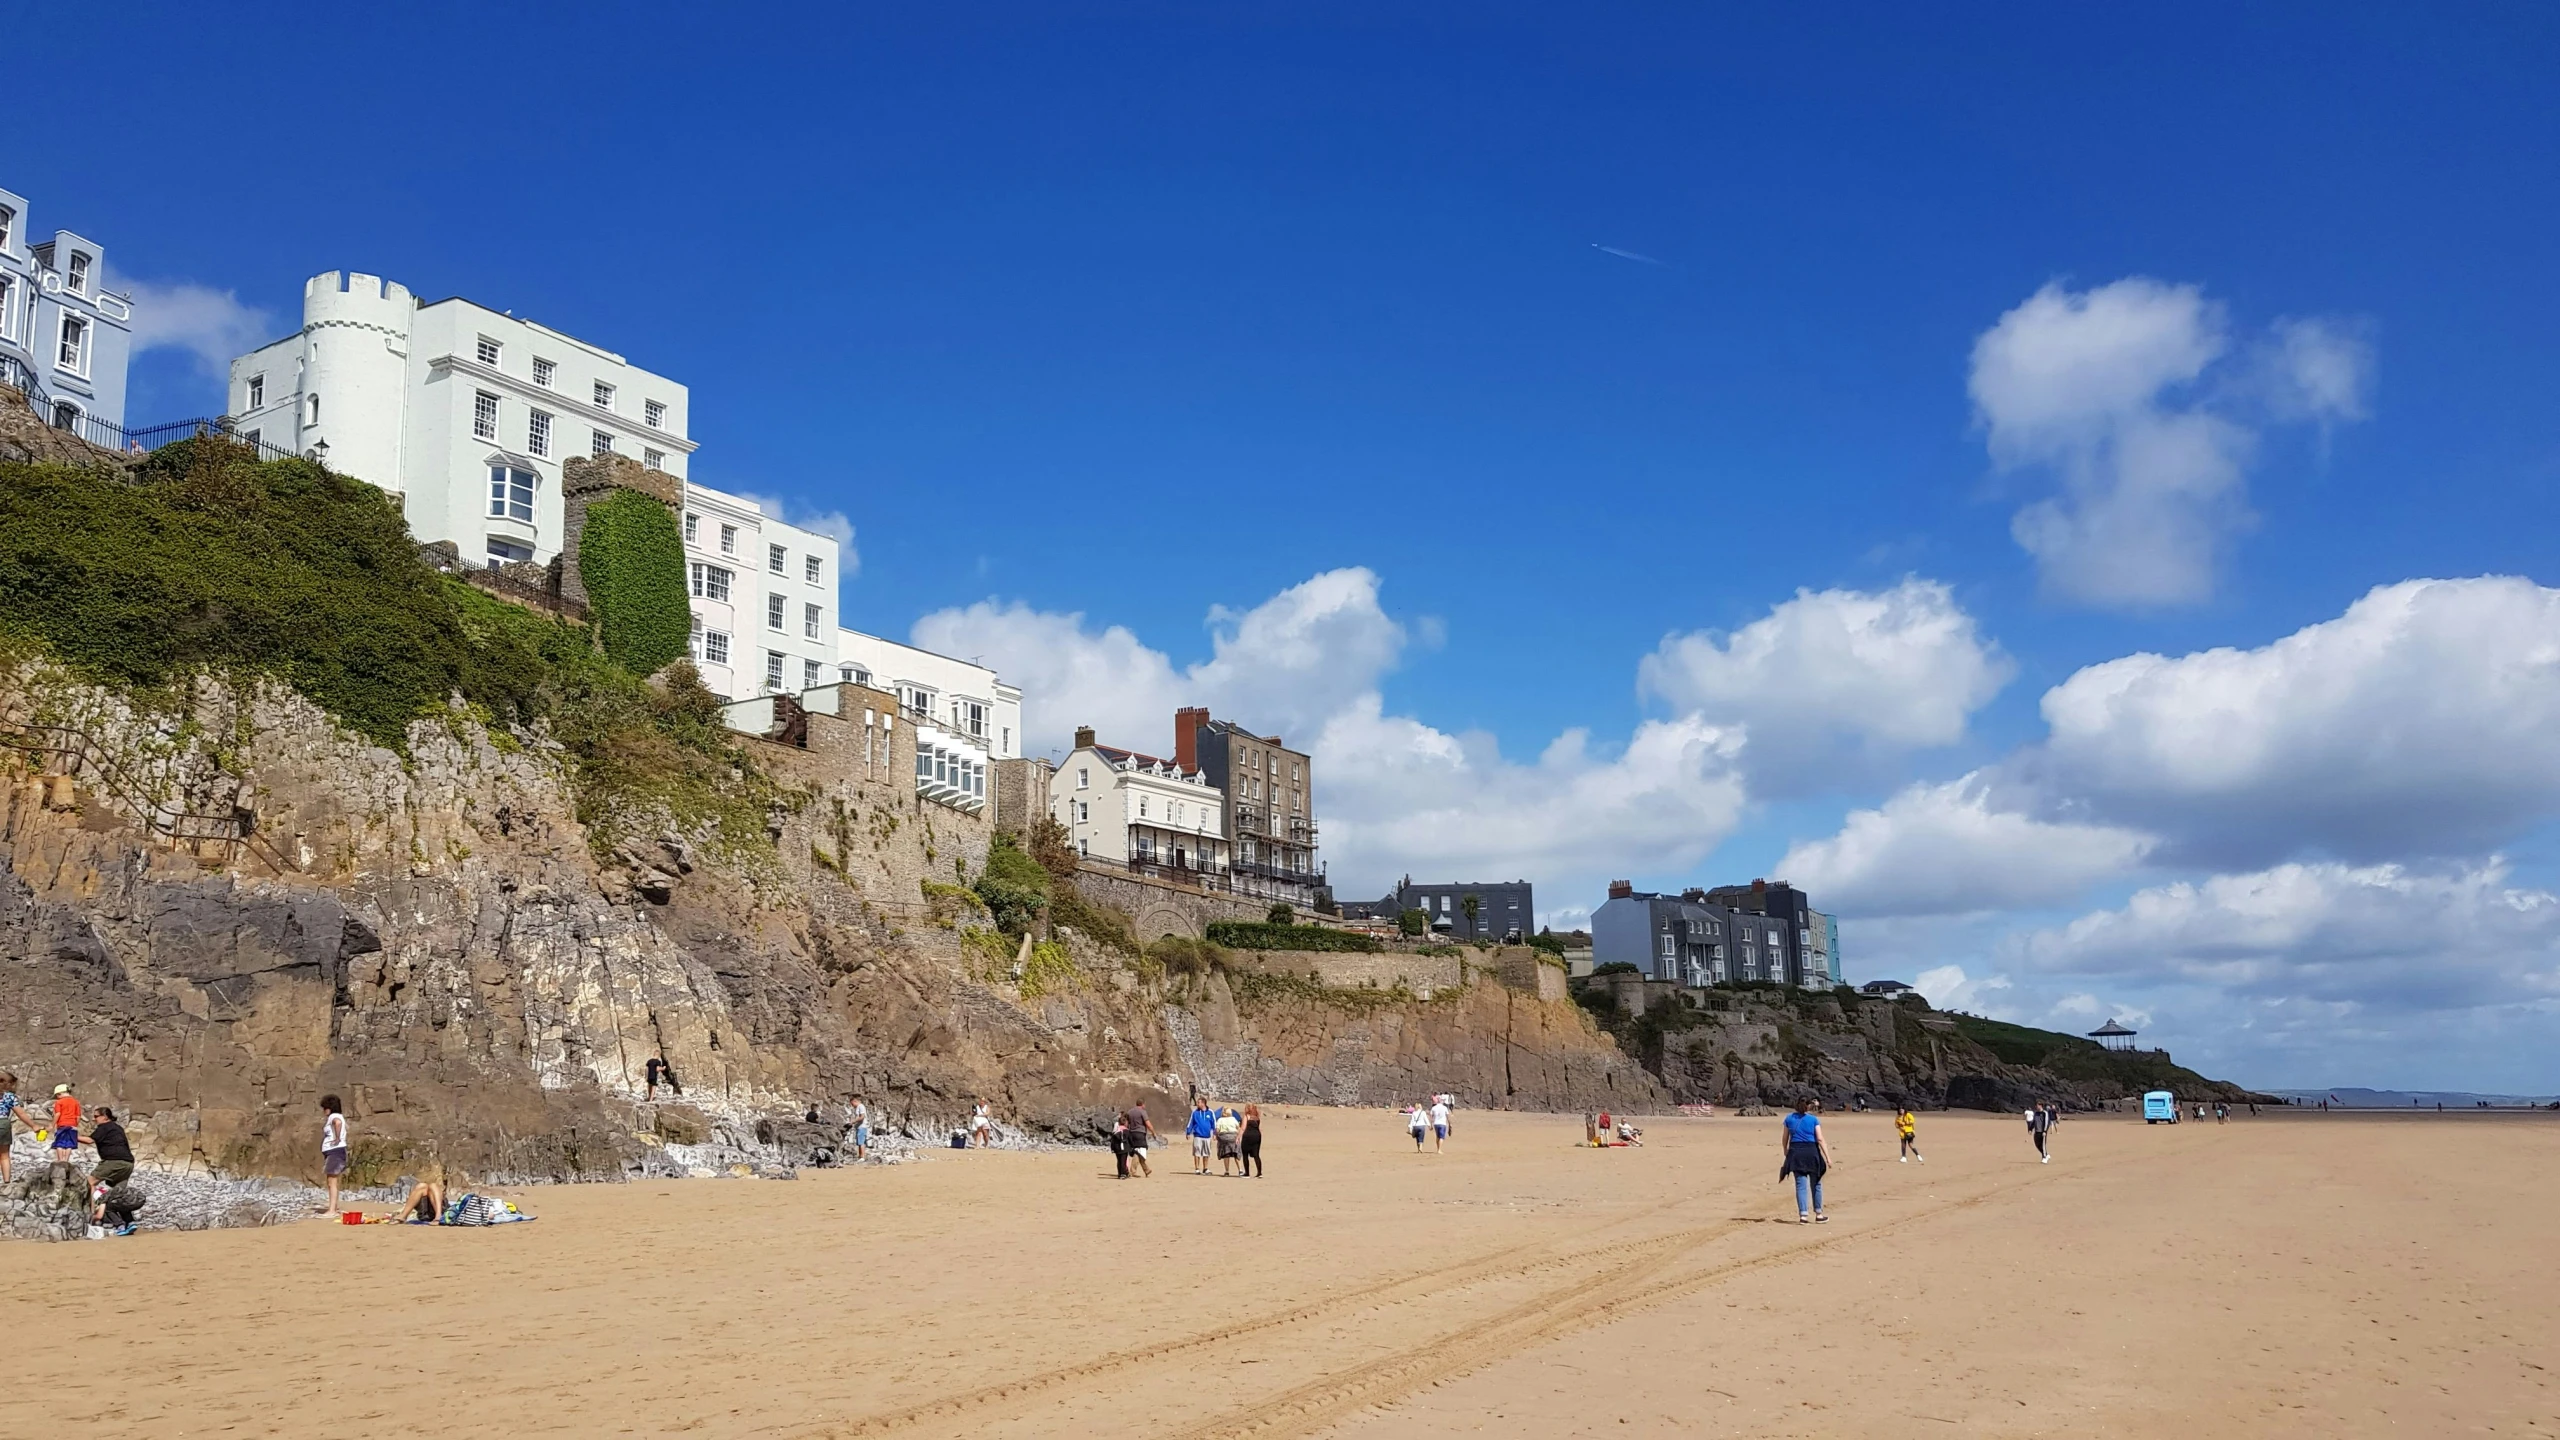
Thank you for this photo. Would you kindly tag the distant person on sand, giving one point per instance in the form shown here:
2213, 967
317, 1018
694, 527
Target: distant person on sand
861, 1128
982, 1126
1440, 1123
1417, 1122
65, 1152
333, 1146
2222, 1112
10, 1120
1249, 1141
1139, 1131
1907, 1125
2040, 1125
1808, 1160
1120, 1146
1229, 1130
1202, 1130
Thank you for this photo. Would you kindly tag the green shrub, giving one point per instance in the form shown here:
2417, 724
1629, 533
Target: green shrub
1614, 967
1282, 914
1413, 922
1249, 935
1013, 885
1547, 940
1183, 955
632, 561
1050, 969
988, 954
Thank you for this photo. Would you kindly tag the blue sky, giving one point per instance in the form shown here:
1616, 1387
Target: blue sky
1409, 381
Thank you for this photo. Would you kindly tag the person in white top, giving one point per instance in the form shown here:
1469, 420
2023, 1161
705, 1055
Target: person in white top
861, 1128
1440, 1123
982, 1126
333, 1146
1418, 1120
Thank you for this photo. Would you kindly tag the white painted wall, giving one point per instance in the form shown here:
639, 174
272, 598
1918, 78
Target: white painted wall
943, 686
1107, 802
732, 533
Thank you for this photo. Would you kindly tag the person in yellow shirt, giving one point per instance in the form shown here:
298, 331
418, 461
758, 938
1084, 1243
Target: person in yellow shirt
1907, 1126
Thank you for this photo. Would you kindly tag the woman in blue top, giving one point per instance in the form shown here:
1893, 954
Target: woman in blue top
1808, 1158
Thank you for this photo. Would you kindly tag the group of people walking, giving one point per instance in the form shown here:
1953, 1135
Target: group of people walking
1231, 1136
1429, 1120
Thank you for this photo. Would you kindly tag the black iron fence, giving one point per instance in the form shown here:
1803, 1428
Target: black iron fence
72, 418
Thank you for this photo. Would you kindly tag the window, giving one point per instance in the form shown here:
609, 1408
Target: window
654, 459
600, 444
1083, 811
604, 396
8, 308
775, 558
715, 647
537, 434
728, 539
692, 527
710, 582
1008, 737
1084, 778
855, 675
808, 674
484, 415
811, 568
487, 351
773, 612
653, 413
503, 552
257, 387
66, 416
315, 411
1142, 807
773, 669
78, 283
74, 355
252, 437
974, 715
809, 624
8, 225
542, 372
511, 494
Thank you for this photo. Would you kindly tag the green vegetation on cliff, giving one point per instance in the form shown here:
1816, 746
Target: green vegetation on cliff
208, 561
1260, 935
632, 561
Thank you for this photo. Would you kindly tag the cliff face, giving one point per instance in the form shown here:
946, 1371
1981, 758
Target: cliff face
432, 938
1772, 1047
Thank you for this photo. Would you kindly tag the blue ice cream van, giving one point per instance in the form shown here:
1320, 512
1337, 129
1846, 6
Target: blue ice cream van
2159, 1105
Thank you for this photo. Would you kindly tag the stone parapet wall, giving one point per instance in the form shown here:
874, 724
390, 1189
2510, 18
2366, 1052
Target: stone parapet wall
1158, 908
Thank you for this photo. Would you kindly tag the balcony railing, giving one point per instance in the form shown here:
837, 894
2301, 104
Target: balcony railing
71, 417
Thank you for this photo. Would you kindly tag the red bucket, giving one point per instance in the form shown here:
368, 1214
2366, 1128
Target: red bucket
350, 1217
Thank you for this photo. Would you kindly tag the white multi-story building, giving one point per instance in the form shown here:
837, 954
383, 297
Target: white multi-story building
1138, 810
463, 412
764, 597
962, 696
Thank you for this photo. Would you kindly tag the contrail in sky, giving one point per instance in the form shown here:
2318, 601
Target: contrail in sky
1626, 254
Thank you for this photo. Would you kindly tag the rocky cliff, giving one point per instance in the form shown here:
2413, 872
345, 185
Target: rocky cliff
219, 907
1768, 1045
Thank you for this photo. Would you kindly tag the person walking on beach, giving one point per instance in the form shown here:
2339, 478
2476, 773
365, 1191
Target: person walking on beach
1249, 1142
1907, 1126
861, 1128
1229, 1129
1808, 1159
1137, 1130
1439, 1123
1418, 1122
982, 1126
2039, 1126
65, 1151
1202, 1130
333, 1146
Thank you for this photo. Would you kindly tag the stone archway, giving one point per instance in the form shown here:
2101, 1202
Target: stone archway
1160, 918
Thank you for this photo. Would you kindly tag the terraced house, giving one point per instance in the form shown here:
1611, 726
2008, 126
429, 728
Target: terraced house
64, 336
1268, 791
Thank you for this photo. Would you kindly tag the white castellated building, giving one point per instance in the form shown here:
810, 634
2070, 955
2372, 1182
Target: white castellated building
463, 412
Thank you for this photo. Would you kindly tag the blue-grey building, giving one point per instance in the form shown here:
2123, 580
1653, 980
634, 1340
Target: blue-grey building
1504, 912
1764, 931
64, 336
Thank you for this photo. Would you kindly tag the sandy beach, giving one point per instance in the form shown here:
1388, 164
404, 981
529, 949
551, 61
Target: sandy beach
2306, 1275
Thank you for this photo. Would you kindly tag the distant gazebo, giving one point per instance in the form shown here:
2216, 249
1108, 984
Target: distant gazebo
2114, 1036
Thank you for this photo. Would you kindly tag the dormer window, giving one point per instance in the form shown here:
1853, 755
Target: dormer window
77, 282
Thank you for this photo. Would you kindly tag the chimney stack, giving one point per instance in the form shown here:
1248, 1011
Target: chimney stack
1084, 737
1621, 889
1186, 736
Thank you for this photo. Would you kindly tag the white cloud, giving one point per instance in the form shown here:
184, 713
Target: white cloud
1950, 849
210, 324
2424, 720
1393, 793
2106, 388
1947, 987
1830, 681
831, 523
2380, 935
